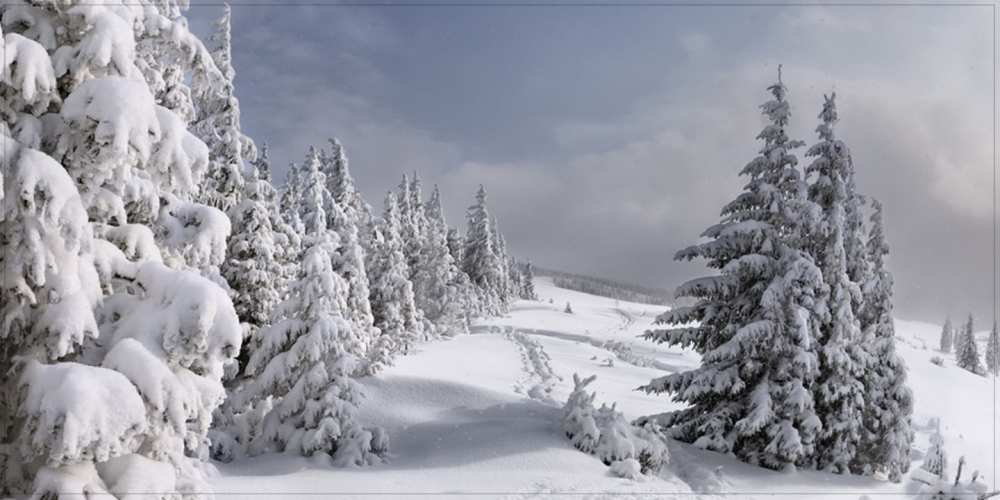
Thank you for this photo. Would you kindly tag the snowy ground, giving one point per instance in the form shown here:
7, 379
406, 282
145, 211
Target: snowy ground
478, 416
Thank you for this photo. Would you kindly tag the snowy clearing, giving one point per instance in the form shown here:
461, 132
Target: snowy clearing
479, 415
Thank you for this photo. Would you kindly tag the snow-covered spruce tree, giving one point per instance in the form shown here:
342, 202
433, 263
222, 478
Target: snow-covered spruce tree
345, 193
947, 336
755, 321
219, 125
82, 199
349, 259
455, 245
479, 257
396, 315
256, 270
527, 291
305, 361
290, 199
959, 341
993, 351
410, 220
967, 352
438, 288
887, 437
253, 265
500, 248
839, 388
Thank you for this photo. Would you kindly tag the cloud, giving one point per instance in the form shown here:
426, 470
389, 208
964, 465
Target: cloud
643, 160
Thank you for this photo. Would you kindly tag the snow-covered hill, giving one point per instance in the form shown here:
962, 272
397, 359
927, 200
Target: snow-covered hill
479, 415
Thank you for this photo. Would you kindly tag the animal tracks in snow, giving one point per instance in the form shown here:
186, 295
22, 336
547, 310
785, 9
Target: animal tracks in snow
539, 378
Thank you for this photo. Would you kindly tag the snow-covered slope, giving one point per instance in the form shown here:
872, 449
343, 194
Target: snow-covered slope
479, 415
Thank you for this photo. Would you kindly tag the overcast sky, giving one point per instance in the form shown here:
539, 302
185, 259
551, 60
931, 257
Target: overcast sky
609, 137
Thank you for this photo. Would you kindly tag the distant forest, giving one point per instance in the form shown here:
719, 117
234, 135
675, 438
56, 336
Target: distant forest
607, 288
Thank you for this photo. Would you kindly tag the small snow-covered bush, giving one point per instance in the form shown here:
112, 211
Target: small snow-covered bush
937, 360
568, 309
578, 419
628, 468
605, 433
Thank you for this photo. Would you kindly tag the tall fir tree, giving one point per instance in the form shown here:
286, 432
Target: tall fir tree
438, 288
349, 259
885, 444
95, 325
479, 257
967, 352
993, 351
396, 315
219, 125
528, 283
253, 261
752, 324
947, 336
305, 361
839, 389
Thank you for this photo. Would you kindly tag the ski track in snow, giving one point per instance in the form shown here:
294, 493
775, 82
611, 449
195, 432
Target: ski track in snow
622, 350
539, 378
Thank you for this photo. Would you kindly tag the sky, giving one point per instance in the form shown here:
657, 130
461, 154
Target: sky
609, 137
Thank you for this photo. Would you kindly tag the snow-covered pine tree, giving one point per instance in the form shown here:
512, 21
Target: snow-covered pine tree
967, 352
500, 249
349, 259
314, 198
305, 361
219, 124
958, 345
90, 204
947, 336
290, 199
839, 387
345, 192
253, 264
993, 351
750, 395
527, 291
455, 245
886, 441
479, 258
437, 287
396, 315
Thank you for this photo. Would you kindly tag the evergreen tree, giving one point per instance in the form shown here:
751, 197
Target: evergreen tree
290, 200
455, 245
349, 259
253, 264
947, 336
396, 315
436, 284
754, 322
111, 362
993, 351
500, 249
839, 389
305, 361
479, 258
885, 444
314, 198
528, 283
219, 125
967, 354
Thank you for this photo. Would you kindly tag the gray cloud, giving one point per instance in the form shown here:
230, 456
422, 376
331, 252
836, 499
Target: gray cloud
609, 138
